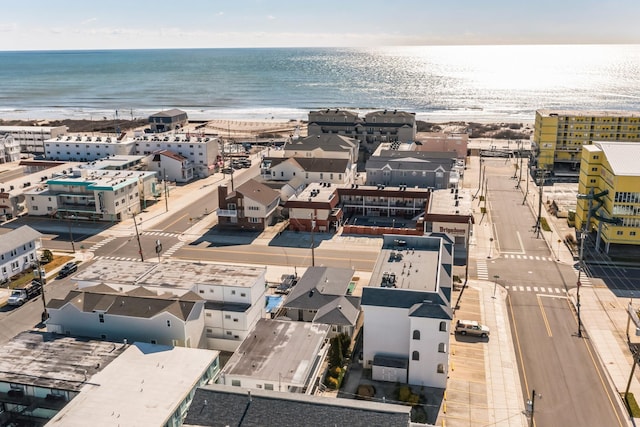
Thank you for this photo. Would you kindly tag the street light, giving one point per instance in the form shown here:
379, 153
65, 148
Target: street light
578, 284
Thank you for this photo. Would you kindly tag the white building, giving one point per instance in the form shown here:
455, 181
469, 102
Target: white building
18, 251
12, 198
83, 148
31, 138
234, 294
146, 385
280, 355
138, 314
171, 166
202, 151
407, 311
9, 148
107, 195
41, 372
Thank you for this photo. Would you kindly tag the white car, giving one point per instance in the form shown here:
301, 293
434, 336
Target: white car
471, 327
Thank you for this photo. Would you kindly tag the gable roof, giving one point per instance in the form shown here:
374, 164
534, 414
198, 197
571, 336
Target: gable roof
324, 289
168, 113
136, 303
325, 141
169, 154
18, 237
219, 405
257, 191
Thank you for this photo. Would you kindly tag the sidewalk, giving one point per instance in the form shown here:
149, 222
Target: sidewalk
604, 316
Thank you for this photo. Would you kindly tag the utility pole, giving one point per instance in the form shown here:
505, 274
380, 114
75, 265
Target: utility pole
135, 223
531, 403
43, 280
578, 285
313, 255
527, 189
73, 245
166, 192
540, 187
519, 155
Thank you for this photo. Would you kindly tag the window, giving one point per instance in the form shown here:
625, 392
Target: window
235, 383
441, 368
416, 334
228, 332
415, 355
101, 317
233, 292
442, 348
443, 326
169, 323
154, 342
227, 316
619, 233
235, 320
208, 314
268, 386
243, 294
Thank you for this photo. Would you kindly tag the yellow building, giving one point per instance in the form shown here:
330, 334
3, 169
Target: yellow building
560, 134
611, 172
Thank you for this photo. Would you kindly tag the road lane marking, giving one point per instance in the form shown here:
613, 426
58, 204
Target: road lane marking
183, 216
595, 365
515, 333
544, 316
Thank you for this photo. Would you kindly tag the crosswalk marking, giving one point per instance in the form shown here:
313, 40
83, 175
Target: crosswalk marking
529, 257
117, 258
173, 249
584, 279
101, 243
160, 233
535, 289
482, 269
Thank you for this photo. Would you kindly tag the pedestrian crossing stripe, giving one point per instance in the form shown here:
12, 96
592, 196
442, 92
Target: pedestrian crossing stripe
101, 243
528, 257
482, 269
536, 289
160, 233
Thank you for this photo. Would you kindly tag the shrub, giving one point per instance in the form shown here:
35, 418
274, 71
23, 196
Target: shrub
331, 382
632, 405
544, 224
335, 372
570, 238
335, 352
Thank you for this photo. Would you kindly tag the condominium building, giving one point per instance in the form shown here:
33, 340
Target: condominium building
107, 195
9, 148
609, 193
560, 134
375, 127
31, 138
203, 152
85, 148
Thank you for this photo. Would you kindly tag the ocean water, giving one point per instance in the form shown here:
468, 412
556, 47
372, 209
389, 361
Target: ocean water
438, 83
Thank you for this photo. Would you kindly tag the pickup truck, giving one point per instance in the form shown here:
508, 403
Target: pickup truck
21, 295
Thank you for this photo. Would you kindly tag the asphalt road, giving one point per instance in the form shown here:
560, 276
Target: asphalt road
561, 367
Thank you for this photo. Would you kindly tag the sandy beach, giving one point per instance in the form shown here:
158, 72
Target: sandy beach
275, 128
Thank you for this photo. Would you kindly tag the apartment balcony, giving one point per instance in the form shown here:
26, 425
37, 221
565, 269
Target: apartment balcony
231, 213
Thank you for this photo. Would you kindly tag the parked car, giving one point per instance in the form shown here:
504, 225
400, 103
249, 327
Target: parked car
471, 327
67, 269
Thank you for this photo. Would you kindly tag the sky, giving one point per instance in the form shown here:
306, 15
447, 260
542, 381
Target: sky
143, 24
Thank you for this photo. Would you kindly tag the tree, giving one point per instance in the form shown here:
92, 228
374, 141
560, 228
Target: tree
335, 352
47, 256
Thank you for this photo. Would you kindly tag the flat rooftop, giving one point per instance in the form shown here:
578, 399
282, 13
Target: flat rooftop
169, 274
142, 387
589, 113
446, 202
278, 350
408, 262
49, 360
